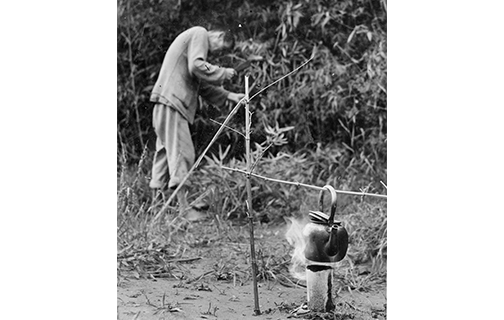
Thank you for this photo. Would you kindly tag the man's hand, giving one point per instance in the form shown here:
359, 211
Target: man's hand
229, 73
235, 97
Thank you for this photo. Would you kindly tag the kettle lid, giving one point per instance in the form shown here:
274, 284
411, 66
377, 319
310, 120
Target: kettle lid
319, 217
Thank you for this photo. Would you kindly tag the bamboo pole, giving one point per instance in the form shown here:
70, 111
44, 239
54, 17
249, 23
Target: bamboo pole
250, 212
298, 184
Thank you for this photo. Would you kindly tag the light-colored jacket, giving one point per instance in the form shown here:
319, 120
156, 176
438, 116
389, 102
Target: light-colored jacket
185, 74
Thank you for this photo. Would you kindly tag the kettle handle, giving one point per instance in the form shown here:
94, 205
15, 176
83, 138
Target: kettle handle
334, 197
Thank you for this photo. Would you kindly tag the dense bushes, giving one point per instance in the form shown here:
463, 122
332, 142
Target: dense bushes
337, 100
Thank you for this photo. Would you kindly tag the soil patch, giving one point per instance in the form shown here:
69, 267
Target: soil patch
210, 279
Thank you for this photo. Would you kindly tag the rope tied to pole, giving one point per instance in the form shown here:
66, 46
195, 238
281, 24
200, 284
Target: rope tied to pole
299, 184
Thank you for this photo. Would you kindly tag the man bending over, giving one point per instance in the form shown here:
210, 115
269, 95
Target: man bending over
185, 74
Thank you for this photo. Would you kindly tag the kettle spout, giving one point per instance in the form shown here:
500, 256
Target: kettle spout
337, 244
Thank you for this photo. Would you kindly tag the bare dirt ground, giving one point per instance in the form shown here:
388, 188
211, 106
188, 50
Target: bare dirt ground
210, 279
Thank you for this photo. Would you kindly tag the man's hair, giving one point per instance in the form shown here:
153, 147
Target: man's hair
229, 37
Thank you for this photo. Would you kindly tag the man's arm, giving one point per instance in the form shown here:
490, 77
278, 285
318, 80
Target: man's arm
218, 95
235, 97
197, 51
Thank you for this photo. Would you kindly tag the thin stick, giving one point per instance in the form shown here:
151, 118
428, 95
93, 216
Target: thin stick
250, 211
228, 127
298, 184
288, 74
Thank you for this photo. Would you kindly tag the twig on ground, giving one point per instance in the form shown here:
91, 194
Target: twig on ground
286, 282
199, 277
183, 260
353, 307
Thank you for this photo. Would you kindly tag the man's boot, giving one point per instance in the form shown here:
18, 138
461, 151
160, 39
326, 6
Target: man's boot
159, 198
185, 210
200, 205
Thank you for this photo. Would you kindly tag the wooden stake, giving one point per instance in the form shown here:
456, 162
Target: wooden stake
250, 212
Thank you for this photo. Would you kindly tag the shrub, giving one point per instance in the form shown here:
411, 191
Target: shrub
340, 96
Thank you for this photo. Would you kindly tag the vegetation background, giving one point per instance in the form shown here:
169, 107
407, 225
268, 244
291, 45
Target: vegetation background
337, 103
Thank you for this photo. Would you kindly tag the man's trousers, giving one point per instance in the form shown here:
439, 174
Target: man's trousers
174, 154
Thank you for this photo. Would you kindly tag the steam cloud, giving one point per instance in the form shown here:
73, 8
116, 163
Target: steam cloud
297, 240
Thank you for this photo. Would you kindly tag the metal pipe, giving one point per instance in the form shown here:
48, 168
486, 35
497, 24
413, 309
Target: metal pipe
319, 288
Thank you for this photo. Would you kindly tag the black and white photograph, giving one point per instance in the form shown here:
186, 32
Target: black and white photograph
252, 159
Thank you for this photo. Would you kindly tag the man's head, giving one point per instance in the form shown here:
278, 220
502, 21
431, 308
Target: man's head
220, 40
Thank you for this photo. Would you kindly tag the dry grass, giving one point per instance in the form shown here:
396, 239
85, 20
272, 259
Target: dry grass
162, 250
